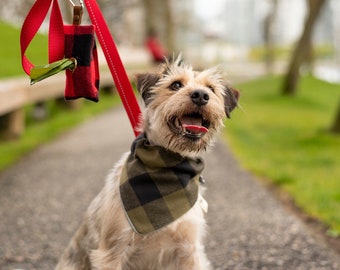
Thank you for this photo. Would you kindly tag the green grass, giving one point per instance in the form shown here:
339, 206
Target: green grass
10, 56
286, 140
60, 120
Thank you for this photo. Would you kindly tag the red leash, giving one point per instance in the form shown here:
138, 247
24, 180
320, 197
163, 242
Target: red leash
115, 64
32, 24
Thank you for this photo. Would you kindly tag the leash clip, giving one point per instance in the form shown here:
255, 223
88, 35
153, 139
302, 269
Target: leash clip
78, 11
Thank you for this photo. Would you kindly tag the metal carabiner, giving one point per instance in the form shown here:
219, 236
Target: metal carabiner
81, 2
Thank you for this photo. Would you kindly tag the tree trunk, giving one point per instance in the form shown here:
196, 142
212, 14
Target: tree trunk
170, 26
268, 36
150, 20
302, 49
336, 125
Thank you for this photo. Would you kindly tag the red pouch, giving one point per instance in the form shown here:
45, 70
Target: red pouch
80, 44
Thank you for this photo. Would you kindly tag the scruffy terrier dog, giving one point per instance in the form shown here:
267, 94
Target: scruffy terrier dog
150, 214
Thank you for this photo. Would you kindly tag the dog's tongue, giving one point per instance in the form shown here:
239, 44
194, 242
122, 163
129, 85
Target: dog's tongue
193, 125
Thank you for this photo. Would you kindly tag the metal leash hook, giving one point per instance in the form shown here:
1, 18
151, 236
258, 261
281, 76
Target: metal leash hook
77, 12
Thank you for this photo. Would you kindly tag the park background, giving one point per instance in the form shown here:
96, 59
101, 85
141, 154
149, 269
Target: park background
283, 55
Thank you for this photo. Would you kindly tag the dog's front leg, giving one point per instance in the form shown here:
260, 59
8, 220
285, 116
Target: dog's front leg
113, 253
185, 256
198, 259
75, 257
202, 261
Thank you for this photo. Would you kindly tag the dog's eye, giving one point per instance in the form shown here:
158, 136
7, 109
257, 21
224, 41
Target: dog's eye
176, 85
211, 88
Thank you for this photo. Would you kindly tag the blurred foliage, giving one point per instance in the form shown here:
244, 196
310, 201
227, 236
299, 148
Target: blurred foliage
10, 51
325, 51
321, 52
259, 53
286, 140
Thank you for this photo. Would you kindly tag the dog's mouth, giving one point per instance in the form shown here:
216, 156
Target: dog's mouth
192, 126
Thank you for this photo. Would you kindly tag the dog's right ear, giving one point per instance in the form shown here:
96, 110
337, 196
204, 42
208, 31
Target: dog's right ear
145, 82
231, 98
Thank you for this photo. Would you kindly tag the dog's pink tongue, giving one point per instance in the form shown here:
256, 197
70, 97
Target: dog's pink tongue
196, 129
194, 125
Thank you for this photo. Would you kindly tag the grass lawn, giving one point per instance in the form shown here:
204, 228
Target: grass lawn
10, 56
286, 140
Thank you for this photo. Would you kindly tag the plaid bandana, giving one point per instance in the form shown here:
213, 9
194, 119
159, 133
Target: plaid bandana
157, 186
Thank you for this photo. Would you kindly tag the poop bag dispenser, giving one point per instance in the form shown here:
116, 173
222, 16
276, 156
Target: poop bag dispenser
83, 80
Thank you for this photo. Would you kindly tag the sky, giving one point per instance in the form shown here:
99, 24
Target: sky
212, 13
207, 9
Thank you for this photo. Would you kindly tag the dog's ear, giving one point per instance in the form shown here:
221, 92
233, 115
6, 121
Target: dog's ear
145, 81
230, 99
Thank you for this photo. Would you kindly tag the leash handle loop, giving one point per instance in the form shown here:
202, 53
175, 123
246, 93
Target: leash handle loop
31, 26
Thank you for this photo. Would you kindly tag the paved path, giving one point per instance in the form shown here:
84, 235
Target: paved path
43, 198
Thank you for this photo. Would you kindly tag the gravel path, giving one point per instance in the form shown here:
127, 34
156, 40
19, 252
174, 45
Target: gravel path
43, 197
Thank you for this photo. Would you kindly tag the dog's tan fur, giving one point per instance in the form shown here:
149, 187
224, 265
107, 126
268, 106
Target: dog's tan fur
105, 240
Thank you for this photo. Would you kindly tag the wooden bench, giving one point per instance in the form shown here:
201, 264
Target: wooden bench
16, 93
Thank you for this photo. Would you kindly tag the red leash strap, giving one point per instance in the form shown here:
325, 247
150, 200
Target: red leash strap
56, 38
115, 64
31, 26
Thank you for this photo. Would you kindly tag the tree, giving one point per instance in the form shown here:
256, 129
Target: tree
302, 51
170, 25
268, 26
150, 15
160, 20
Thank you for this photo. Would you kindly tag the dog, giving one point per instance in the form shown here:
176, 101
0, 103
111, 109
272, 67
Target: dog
150, 213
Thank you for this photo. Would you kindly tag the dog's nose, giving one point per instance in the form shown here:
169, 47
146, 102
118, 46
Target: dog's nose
199, 97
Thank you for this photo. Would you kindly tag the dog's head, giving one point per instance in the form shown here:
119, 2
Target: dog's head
184, 108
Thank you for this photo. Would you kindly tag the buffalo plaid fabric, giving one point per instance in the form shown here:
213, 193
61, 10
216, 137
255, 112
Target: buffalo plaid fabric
157, 186
84, 80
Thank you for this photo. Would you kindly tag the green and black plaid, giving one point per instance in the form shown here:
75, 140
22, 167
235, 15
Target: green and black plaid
157, 186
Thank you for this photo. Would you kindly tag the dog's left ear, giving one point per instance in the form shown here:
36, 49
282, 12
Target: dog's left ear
145, 81
230, 99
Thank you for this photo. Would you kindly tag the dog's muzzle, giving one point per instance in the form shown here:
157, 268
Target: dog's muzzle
192, 125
